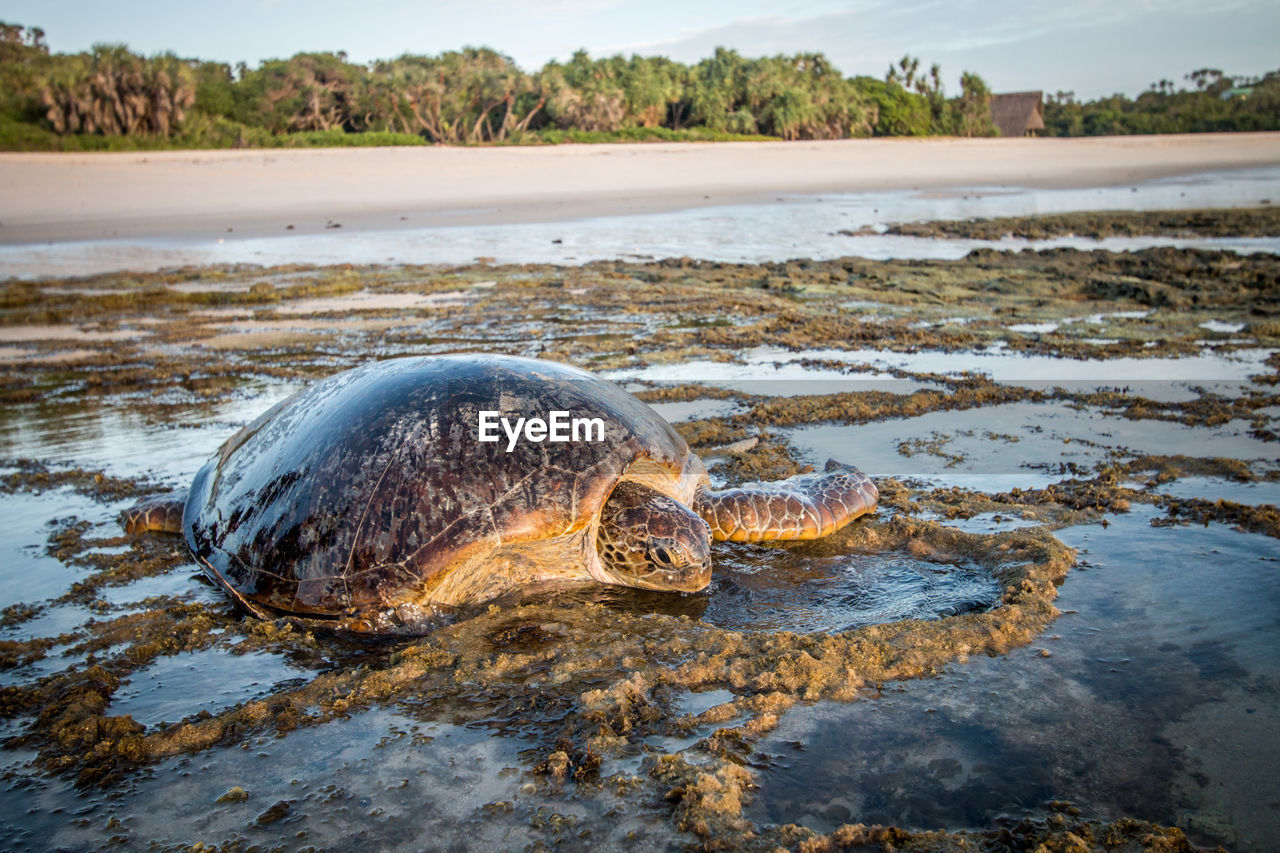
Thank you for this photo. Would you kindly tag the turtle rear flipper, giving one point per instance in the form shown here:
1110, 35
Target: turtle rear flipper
807, 506
160, 512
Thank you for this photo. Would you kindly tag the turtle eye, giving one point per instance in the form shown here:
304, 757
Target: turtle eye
661, 556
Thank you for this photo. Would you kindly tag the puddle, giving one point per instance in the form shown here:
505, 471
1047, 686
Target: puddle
384, 775
366, 300
1098, 319
50, 622
983, 522
1135, 711
1224, 328
779, 589
30, 573
1088, 319
184, 583
772, 371
27, 334
760, 588
305, 324
52, 663
1219, 488
695, 409
178, 686
694, 704
118, 436
1002, 365
778, 372
1037, 444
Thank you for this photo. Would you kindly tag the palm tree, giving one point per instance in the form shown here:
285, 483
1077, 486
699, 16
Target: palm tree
113, 91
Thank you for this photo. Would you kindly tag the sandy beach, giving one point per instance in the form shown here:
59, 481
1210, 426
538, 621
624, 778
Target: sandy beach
259, 193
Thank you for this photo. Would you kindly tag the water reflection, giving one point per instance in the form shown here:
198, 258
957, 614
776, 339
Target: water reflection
381, 779
761, 589
771, 371
765, 588
1036, 444
177, 686
127, 438
1156, 697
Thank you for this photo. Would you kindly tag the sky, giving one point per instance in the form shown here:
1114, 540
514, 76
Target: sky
1090, 47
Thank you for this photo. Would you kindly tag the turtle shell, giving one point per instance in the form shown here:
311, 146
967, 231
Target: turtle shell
369, 488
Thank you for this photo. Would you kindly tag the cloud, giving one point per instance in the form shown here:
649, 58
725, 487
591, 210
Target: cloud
1095, 47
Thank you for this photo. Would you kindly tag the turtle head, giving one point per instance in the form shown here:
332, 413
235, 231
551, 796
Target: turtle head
650, 541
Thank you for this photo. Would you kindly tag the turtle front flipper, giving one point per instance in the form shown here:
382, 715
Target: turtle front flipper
807, 506
160, 512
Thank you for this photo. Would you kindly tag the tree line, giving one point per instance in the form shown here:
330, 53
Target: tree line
110, 97
1213, 102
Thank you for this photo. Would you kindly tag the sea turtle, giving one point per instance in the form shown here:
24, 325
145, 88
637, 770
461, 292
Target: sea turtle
370, 498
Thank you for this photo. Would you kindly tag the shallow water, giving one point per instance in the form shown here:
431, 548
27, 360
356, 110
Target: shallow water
772, 588
379, 780
788, 227
771, 371
1254, 493
777, 372
30, 573
756, 587
762, 589
180, 686
695, 409
170, 442
1036, 444
1158, 695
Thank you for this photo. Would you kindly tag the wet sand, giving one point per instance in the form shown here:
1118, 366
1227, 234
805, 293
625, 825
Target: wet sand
205, 194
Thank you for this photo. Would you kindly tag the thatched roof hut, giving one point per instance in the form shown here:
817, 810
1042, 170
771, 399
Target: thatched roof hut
1018, 113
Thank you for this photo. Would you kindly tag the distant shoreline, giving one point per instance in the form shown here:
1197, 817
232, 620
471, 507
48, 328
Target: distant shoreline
211, 195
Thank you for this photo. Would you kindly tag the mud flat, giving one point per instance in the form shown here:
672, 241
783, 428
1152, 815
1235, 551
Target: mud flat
1057, 630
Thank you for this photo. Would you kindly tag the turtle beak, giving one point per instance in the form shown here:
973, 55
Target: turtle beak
698, 577
689, 578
